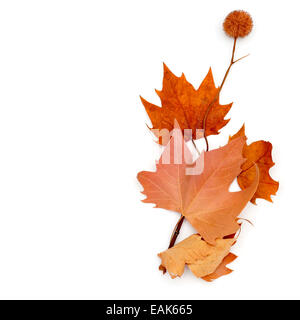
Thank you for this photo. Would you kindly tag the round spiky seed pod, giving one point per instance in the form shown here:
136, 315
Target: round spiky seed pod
238, 23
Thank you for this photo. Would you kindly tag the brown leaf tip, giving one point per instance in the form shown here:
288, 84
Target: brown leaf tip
238, 23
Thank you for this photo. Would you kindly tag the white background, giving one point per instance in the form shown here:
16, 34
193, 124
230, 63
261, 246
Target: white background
73, 136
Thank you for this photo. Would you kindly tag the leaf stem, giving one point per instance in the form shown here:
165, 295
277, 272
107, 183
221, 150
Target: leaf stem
232, 62
174, 236
176, 231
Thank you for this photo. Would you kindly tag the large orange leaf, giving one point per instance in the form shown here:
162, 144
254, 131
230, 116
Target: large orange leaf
204, 199
202, 259
259, 153
181, 101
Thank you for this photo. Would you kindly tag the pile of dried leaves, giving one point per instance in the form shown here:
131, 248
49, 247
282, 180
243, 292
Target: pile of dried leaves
199, 190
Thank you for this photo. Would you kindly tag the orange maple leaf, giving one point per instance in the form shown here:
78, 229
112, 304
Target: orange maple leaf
202, 259
259, 153
203, 198
181, 101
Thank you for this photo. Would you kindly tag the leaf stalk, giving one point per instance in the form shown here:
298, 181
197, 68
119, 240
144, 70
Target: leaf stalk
232, 62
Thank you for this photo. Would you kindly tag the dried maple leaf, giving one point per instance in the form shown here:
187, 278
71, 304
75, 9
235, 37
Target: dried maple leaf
259, 153
221, 270
202, 259
203, 198
181, 101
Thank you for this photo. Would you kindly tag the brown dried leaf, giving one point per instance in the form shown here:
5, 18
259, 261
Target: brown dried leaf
181, 101
202, 258
259, 153
204, 199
